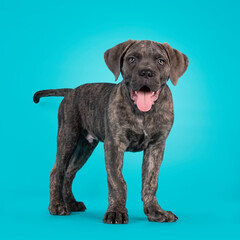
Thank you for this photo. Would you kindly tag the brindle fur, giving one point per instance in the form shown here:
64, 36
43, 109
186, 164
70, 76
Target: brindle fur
105, 112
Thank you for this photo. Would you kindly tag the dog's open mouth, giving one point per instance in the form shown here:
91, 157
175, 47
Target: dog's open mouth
144, 98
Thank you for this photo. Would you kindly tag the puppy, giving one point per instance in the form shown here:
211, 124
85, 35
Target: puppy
134, 115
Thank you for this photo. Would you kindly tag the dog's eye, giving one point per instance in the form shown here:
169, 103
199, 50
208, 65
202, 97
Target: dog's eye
161, 61
131, 59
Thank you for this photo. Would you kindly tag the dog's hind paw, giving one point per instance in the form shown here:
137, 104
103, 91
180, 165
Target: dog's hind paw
58, 209
77, 206
115, 218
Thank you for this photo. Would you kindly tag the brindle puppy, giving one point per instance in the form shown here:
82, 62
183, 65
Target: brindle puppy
134, 115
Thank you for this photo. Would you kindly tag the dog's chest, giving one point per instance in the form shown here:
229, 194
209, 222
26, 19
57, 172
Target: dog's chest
141, 134
137, 142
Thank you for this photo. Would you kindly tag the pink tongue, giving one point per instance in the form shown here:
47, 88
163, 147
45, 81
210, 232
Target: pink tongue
144, 100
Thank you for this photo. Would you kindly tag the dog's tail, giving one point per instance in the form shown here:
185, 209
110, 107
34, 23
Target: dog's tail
51, 92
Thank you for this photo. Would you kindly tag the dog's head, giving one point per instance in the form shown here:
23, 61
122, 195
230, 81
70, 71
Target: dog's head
145, 66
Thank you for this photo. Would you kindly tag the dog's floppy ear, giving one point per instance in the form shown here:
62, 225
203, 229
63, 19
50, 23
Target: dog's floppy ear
178, 63
113, 57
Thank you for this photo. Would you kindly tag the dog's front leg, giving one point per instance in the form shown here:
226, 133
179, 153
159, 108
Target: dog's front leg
152, 160
117, 190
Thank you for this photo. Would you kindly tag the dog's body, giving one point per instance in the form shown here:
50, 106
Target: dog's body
134, 115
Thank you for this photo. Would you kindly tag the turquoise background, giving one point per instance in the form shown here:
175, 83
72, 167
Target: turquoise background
57, 44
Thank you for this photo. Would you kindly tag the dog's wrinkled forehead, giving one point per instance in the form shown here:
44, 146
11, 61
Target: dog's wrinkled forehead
147, 48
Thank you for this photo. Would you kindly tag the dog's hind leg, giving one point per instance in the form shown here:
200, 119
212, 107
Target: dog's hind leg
67, 140
79, 158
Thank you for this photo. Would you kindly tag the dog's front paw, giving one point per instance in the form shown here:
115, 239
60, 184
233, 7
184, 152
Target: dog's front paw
115, 217
58, 209
157, 215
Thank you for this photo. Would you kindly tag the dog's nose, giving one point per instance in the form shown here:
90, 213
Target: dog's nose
146, 73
